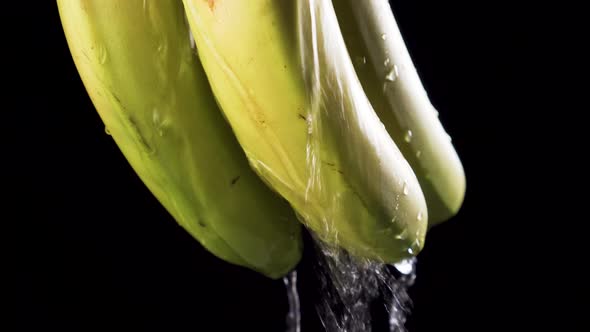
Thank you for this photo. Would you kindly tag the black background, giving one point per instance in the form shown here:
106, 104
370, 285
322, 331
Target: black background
88, 248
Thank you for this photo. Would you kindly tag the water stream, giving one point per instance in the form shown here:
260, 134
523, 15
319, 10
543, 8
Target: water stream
294, 314
355, 290
357, 295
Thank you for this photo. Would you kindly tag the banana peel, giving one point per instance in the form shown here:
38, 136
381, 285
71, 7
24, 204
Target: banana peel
145, 80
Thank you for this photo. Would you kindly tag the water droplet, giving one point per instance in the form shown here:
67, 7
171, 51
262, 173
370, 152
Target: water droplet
449, 137
162, 47
403, 235
158, 122
107, 131
191, 39
406, 190
361, 60
156, 117
405, 266
386, 62
417, 245
392, 75
419, 216
418, 154
383, 36
102, 55
410, 251
408, 136
435, 112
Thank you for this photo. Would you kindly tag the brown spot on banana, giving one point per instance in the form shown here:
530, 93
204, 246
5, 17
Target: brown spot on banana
211, 4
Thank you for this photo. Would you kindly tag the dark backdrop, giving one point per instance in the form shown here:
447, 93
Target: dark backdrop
88, 247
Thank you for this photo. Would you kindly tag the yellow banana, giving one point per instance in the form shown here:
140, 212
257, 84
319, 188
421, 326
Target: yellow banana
149, 88
392, 84
284, 80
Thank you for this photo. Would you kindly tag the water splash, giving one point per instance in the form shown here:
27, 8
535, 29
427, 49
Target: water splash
399, 301
294, 315
354, 290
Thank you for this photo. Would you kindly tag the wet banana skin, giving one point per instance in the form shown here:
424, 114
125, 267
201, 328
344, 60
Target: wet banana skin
315, 139
390, 80
148, 86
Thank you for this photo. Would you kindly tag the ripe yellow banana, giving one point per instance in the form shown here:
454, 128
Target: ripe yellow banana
391, 82
284, 80
149, 88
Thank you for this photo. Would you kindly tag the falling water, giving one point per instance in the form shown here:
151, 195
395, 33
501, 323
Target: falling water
294, 315
399, 301
354, 289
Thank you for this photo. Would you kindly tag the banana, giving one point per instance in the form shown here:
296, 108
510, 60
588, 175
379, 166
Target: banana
394, 88
149, 88
281, 73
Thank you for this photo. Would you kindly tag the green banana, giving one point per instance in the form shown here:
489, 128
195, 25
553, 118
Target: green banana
391, 82
281, 73
149, 88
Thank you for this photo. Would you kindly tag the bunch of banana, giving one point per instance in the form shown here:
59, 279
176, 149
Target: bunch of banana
268, 121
